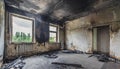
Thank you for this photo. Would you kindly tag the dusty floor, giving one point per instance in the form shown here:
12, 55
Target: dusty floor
41, 62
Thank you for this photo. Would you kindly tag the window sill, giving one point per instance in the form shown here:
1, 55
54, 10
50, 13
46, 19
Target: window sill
22, 43
53, 42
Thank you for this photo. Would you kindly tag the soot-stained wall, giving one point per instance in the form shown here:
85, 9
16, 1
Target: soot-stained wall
41, 27
41, 44
79, 31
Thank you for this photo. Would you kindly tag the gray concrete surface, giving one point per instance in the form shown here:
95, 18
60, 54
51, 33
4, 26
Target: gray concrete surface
41, 62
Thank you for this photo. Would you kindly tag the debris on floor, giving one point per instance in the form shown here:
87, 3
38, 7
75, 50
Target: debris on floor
63, 61
68, 64
67, 61
72, 51
16, 64
104, 58
51, 56
101, 57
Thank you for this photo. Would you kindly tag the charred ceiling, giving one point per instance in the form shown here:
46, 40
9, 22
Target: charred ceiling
56, 10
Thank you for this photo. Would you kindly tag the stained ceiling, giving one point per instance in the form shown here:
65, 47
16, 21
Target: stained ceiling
59, 10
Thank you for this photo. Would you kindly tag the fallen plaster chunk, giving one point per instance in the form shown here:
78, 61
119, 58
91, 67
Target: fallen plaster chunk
68, 64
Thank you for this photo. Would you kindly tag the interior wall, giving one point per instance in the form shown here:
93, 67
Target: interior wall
109, 16
62, 37
103, 39
1, 30
79, 34
41, 45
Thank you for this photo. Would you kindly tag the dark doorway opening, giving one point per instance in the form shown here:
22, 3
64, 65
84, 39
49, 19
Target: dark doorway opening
101, 39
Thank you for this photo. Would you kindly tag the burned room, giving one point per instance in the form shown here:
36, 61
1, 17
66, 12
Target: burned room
59, 34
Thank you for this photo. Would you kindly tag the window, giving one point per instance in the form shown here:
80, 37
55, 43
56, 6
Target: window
53, 33
22, 29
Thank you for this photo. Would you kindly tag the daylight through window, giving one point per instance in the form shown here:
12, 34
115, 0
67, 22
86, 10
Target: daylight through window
53, 34
22, 29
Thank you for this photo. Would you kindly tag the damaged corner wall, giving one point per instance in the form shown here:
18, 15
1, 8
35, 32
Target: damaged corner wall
1, 30
13, 50
79, 31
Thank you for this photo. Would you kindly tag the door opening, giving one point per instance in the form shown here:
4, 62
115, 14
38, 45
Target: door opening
101, 39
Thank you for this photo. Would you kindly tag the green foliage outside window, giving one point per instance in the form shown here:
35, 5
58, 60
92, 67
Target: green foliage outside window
52, 39
21, 37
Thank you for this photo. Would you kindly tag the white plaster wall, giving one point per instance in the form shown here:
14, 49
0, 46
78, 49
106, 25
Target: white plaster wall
115, 45
115, 36
79, 39
78, 36
1, 29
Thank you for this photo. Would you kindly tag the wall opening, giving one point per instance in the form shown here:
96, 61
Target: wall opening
21, 29
101, 39
53, 34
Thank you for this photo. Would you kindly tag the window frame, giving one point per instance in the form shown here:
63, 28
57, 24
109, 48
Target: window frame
11, 27
57, 32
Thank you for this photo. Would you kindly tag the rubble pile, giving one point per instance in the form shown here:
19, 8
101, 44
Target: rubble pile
16, 64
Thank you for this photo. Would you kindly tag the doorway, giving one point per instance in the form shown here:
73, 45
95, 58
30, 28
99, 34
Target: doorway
101, 39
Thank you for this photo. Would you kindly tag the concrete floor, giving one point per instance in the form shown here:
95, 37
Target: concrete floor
41, 62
